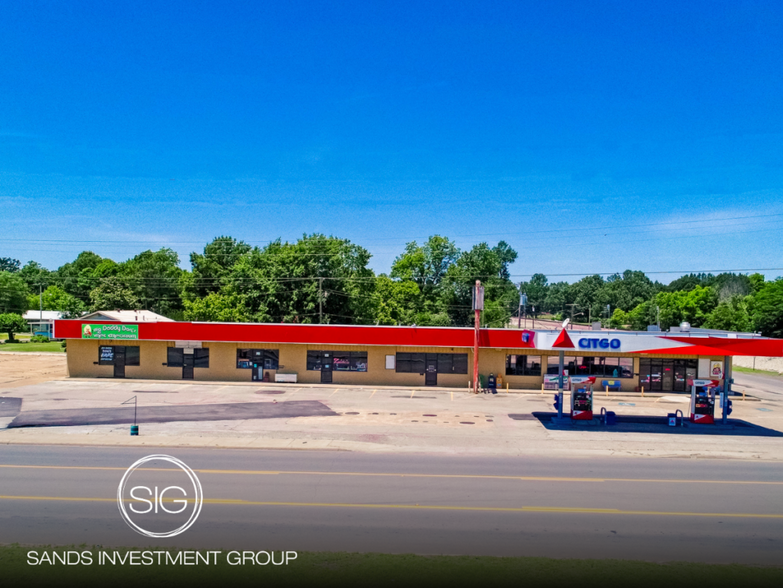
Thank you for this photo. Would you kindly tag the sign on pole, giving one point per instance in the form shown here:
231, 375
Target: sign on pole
478, 297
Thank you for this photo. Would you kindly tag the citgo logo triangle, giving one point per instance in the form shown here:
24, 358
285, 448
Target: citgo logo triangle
563, 340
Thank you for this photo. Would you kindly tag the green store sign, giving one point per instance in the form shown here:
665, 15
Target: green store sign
110, 331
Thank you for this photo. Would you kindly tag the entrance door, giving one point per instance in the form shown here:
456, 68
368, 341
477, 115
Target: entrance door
187, 366
326, 369
119, 362
668, 375
258, 365
431, 370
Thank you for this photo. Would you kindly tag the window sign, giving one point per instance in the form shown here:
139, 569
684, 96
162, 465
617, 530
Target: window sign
110, 331
106, 355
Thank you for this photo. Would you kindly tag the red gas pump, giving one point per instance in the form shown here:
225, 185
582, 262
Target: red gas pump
582, 397
703, 401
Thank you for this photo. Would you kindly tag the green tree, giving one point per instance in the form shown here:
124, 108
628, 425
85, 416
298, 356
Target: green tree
217, 307
587, 297
729, 286
210, 268
77, 277
557, 296
13, 293
282, 282
768, 309
113, 294
689, 282
395, 302
154, 278
627, 291
37, 276
490, 265
12, 323
9, 265
537, 290
756, 282
731, 315
426, 266
55, 298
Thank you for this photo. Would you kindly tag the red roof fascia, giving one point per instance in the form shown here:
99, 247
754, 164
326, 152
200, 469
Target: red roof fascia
726, 346
282, 333
399, 336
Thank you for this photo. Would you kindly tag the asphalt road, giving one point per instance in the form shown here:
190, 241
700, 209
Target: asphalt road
651, 509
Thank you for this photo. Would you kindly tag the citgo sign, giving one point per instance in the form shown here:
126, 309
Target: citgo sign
599, 343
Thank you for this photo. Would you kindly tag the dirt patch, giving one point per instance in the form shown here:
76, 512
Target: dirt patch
23, 369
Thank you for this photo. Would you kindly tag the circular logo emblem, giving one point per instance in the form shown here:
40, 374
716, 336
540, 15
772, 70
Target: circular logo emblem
158, 502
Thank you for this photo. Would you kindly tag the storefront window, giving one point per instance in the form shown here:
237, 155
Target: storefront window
314, 360
108, 353
410, 363
201, 358
523, 365
131, 355
447, 363
603, 367
350, 361
452, 363
174, 356
268, 359
666, 375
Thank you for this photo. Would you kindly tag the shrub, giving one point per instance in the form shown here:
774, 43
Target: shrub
39, 339
63, 344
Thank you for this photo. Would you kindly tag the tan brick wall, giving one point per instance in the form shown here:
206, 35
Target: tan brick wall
83, 357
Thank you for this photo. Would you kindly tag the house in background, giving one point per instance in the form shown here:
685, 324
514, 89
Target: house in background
125, 316
41, 322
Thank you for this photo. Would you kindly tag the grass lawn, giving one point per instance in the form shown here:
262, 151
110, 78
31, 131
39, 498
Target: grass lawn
346, 570
51, 346
746, 370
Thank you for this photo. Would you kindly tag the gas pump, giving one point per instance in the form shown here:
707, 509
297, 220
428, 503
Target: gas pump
582, 397
703, 401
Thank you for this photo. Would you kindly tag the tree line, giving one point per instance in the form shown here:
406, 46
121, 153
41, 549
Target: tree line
320, 279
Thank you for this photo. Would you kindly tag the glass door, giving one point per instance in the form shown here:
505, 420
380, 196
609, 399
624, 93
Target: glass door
187, 366
431, 369
326, 368
119, 362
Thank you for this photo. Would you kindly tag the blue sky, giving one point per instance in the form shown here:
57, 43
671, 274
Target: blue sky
591, 136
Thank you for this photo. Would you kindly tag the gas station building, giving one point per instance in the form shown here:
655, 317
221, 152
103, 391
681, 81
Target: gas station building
400, 356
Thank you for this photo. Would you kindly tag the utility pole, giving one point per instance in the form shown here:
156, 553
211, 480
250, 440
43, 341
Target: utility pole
572, 312
320, 300
478, 306
522, 305
519, 312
